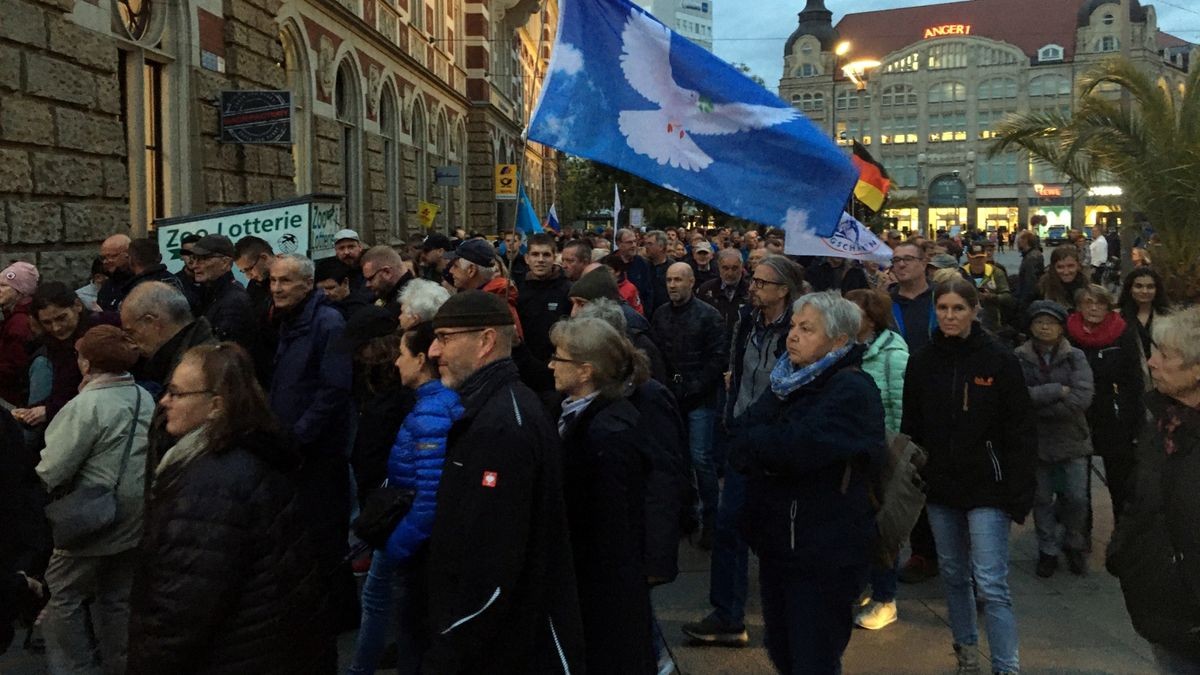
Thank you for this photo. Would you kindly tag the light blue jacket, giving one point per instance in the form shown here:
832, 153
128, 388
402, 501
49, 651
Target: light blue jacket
885, 361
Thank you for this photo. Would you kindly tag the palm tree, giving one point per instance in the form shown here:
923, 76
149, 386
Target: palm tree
1147, 140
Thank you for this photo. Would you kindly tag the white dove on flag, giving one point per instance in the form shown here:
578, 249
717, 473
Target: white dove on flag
663, 134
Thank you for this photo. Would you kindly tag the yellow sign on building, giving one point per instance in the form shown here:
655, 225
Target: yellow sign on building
506, 181
426, 213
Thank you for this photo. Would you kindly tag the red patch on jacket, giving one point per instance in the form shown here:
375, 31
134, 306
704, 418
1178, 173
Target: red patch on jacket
490, 479
984, 381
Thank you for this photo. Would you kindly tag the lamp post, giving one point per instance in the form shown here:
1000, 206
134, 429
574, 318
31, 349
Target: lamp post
839, 51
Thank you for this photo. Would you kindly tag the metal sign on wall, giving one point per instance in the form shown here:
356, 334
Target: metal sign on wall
447, 176
256, 117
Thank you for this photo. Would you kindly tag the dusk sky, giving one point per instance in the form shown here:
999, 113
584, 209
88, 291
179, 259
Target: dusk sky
754, 31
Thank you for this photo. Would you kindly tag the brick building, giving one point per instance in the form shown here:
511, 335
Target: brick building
109, 117
936, 79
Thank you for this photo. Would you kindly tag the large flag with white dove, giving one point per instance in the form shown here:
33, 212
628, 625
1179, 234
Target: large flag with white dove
626, 91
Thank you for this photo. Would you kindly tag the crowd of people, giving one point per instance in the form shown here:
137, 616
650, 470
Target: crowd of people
507, 440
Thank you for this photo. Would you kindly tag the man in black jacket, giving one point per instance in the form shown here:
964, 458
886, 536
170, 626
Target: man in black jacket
728, 292
156, 316
114, 254
691, 336
223, 301
542, 299
145, 262
501, 586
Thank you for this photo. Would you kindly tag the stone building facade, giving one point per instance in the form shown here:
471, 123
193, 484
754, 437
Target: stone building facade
109, 113
935, 80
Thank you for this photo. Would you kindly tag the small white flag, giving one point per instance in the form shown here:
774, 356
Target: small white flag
851, 240
616, 212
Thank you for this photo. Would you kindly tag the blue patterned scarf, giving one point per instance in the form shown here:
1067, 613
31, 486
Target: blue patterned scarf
787, 378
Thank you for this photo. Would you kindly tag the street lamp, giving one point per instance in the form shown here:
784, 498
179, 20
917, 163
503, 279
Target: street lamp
839, 51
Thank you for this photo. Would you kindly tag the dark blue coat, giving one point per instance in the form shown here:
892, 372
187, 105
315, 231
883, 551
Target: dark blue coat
795, 454
311, 386
416, 463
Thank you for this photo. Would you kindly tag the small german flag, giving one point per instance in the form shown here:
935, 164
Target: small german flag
873, 181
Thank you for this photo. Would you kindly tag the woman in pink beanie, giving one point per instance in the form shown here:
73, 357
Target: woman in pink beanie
18, 281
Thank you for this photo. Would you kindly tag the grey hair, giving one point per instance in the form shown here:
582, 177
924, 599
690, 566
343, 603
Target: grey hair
422, 298
1179, 331
625, 230
729, 253
306, 267
841, 316
789, 272
607, 311
162, 300
1095, 292
615, 362
658, 236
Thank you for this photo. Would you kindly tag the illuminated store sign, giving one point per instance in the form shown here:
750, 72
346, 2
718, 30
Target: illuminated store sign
948, 29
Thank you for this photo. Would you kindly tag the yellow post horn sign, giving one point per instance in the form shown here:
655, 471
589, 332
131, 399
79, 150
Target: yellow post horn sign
426, 213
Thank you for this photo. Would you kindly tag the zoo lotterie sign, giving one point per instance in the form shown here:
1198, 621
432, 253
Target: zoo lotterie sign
288, 226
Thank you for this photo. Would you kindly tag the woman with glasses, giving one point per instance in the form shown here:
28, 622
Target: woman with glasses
1116, 414
966, 403
604, 484
228, 580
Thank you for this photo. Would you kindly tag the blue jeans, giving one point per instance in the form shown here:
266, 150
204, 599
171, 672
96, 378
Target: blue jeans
729, 575
385, 591
807, 615
701, 426
976, 541
1071, 511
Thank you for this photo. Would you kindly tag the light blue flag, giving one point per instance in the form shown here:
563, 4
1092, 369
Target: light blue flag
527, 220
626, 91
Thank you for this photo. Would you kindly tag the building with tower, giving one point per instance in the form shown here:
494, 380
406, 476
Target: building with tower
923, 88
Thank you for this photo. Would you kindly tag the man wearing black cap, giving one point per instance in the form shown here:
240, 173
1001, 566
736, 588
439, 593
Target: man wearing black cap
501, 590
433, 260
473, 267
223, 301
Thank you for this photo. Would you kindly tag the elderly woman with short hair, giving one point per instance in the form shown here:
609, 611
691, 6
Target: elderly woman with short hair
808, 449
419, 301
1155, 550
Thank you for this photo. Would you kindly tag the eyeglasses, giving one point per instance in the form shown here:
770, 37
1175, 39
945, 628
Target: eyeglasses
175, 393
444, 338
905, 259
555, 358
763, 283
368, 277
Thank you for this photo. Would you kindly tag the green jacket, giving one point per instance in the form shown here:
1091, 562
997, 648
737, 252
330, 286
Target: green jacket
885, 361
995, 296
84, 445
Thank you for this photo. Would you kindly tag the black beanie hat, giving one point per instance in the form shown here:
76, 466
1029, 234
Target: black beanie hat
599, 283
473, 309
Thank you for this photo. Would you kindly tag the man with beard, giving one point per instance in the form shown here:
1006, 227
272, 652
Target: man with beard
385, 273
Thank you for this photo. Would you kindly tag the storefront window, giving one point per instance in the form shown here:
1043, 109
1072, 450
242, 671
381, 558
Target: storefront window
1056, 216
905, 219
946, 218
992, 218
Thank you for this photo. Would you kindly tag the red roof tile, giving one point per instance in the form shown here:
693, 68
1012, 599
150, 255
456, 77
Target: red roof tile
1026, 24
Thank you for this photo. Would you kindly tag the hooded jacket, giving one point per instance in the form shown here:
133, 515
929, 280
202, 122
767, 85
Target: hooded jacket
227, 581
885, 360
966, 403
501, 587
1062, 427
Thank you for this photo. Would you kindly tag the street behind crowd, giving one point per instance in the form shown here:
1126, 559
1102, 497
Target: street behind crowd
1068, 624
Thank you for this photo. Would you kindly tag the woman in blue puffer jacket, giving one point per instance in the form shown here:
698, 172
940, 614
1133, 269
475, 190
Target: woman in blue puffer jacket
416, 464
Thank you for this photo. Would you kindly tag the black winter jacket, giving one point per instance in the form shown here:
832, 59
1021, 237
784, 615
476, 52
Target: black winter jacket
157, 273
604, 480
796, 453
227, 581
1117, 413
693, 343
501, 587
712, 293
668, 485
637, 329
227, 307
966, 403
540, 304
25, 542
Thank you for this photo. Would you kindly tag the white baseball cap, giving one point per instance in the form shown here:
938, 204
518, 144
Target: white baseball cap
346, 234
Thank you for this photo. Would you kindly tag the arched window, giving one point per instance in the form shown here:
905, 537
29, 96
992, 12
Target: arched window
996, 88
947, 55
1107, 43
420, 141
1049, 85
807, 70
296, 68
348, 106
947, 92
898, 94
1050, 53
1108, 19
389, 131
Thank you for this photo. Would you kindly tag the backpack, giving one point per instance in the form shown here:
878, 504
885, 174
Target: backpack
899, 496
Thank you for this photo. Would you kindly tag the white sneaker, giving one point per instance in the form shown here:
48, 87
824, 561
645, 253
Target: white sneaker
877, 615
